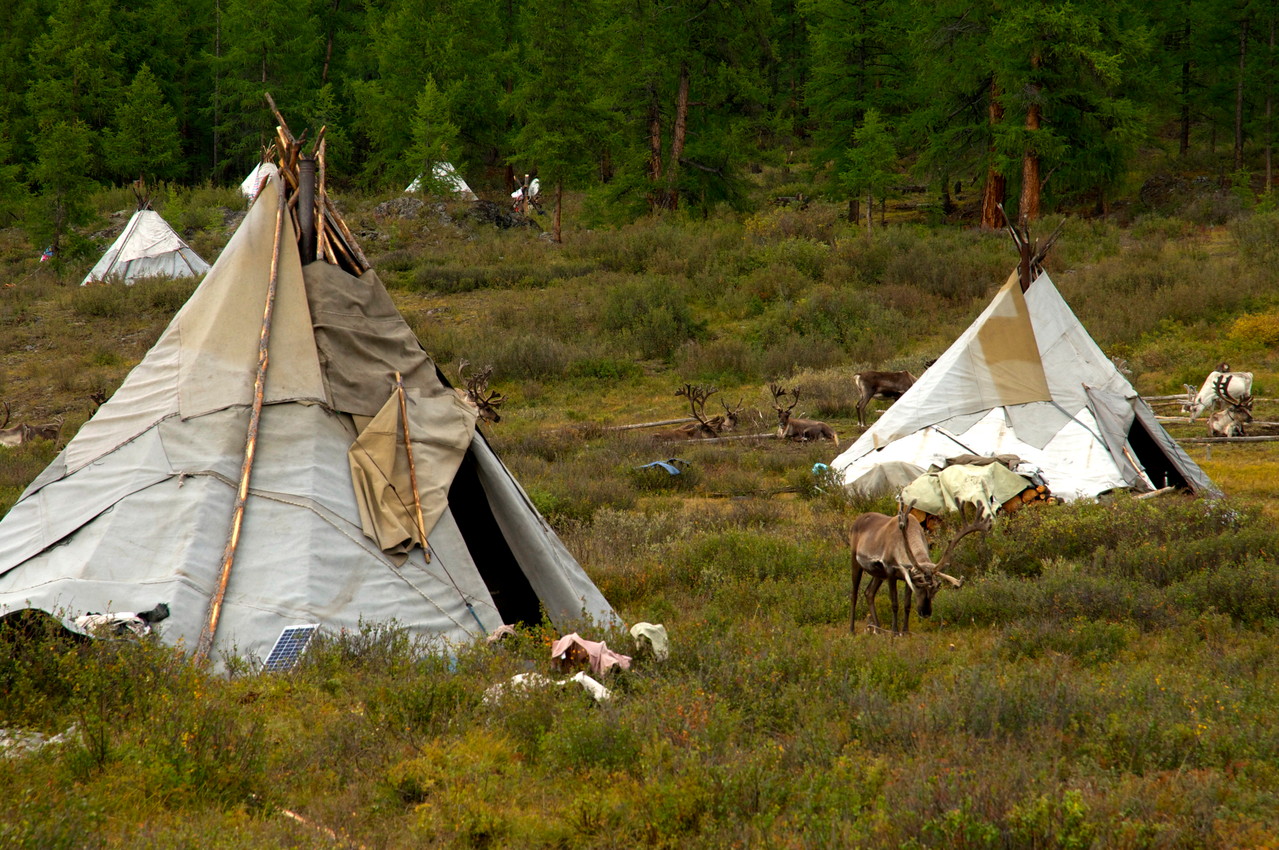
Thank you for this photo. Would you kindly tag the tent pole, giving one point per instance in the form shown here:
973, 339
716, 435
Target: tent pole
205, 643
408, 450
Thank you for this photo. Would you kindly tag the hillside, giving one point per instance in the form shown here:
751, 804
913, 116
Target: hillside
1104, 678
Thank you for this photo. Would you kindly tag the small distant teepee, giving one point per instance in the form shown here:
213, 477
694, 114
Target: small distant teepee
148, 247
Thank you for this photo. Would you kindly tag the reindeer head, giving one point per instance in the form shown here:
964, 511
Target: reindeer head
731, 415
697, 397
924, 576
783, 413
477, 392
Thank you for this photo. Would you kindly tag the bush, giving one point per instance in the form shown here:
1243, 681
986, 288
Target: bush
652, 315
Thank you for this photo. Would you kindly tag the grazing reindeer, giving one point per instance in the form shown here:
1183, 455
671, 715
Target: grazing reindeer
888, 554
474, 394
15, 436
871, 385
791, 428
1230, 422
1234, 388
50, 431
98, 397
703, 427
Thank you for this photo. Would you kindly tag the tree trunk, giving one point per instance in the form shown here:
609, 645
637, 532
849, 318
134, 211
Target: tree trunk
1028, 209
870, 210
559, 205
654, 151
328, 48
1184, 147
854, 210
996, 188
1270, 102
679, 135
1243, 55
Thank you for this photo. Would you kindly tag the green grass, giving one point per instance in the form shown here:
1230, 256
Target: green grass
1105, 678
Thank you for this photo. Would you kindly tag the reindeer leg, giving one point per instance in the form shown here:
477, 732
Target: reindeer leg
857, 580
871, 591
906, 614
892, 597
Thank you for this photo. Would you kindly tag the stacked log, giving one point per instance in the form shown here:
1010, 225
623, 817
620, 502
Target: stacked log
1030, 496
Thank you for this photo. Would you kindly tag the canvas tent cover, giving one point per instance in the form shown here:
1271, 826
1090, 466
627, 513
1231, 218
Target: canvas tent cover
147, 247
447, 175
251, 184
1026, 379
135, 510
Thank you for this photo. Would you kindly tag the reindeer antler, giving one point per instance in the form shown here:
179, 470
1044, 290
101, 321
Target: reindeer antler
697, 397
982, 522
476, 388
778, 391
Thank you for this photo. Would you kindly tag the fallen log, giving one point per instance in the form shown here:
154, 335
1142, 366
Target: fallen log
1153, 493
1185, 440
649, 424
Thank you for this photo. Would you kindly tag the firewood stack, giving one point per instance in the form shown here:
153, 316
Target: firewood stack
1030, 496
321, 232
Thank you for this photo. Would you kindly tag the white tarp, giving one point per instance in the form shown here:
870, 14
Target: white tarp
147, 247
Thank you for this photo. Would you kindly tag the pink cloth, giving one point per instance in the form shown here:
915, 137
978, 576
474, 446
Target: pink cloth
602, 658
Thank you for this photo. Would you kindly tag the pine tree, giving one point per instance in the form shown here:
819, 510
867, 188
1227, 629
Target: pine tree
143, 141
435, 141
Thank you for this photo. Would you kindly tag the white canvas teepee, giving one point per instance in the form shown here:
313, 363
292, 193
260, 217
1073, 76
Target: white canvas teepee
447, 175
147, 247
136, 509
1026, 379
251, 184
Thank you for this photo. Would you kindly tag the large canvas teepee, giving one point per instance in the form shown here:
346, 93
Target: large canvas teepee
1026, 379
251, 471
147, 247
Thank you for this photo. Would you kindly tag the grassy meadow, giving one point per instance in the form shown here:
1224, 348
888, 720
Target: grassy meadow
1105, 678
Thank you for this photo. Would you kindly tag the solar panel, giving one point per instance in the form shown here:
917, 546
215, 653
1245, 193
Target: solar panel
289, 647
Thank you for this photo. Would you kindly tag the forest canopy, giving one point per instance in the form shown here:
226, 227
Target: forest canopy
1039, 104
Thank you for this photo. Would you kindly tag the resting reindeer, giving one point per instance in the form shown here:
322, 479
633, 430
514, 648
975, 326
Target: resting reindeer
474, 394
1233, 388
704, 427
889, 549
800, 430
15, 436
1230, 422
871, 385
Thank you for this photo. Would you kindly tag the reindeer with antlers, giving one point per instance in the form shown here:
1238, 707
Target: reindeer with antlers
792, 428
889, 554
477, 392
704, 427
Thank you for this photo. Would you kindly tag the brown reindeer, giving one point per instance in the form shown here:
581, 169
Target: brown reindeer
792, 428
475, 393
1230, 422
871, 385
703, 427
50, 431
15, 436
889, 549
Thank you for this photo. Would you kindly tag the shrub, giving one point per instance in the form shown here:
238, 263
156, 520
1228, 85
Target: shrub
653, 316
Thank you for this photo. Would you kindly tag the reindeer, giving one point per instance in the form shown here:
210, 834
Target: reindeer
714, 426
15, 436
474, 394
1234, 388
889, 554
1230, 422
872, 385
791, 428
50, 431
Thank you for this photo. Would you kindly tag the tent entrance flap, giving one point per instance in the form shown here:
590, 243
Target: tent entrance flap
1159, 467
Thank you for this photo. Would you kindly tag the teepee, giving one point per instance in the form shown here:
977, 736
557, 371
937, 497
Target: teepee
251, 471
1026, 379
447, 175
253, 182
147, 247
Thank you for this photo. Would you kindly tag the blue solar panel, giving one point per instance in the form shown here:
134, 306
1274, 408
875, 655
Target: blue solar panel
289, 647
